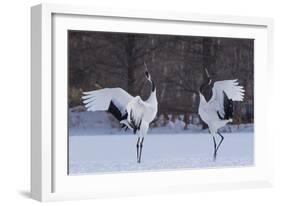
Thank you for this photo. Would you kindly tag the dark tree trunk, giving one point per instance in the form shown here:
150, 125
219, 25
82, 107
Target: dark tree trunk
131, 43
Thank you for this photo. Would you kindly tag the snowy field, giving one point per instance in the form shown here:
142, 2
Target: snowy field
97, 145
115, 153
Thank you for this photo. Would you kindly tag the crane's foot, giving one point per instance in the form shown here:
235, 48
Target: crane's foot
137, 146
141, 145
139, 158
139, 149
215, 149
215, 157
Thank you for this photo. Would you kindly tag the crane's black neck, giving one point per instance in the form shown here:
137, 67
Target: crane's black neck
204, 85
152, 85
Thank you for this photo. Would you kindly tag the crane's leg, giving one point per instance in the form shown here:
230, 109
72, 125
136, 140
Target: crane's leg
138, 142
215, 149
222, 138
141, 143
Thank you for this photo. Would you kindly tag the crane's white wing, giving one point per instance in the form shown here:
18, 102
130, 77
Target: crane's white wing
100, 100
230, 88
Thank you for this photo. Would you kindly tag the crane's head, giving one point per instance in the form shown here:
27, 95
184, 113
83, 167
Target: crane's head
206, 82
147, 75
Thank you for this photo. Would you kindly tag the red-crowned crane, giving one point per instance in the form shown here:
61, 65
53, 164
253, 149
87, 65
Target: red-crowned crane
218, 111
131, 112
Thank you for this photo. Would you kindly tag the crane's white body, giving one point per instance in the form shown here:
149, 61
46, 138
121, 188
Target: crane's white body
208, 114
208, 110
143, 112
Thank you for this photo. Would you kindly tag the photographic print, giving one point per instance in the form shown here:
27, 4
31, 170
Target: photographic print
154, 102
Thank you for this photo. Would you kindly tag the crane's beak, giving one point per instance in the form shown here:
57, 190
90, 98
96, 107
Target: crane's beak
207, 73
147, 75
145, 67
208, 76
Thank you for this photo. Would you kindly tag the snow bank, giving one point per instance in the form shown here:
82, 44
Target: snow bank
82, 122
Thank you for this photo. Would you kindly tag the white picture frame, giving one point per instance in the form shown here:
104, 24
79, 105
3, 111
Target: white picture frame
49, 180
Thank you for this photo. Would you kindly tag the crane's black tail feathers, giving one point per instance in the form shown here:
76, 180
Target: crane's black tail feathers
114, 111
118, 115
228, 107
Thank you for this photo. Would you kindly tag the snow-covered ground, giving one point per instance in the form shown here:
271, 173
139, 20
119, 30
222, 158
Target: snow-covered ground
112, 153
101, 123
97, 144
